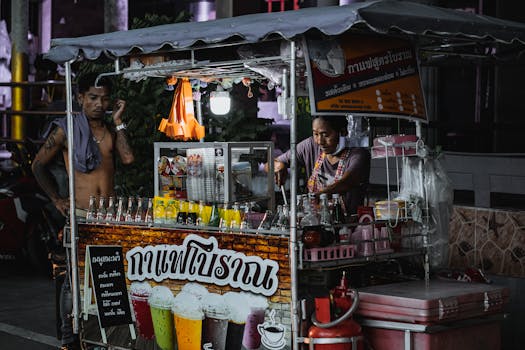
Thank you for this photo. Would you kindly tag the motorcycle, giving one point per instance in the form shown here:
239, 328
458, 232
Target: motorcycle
29, 221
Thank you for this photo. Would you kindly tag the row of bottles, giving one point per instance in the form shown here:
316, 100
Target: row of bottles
321, 222
136, 210
326, 213
238, 217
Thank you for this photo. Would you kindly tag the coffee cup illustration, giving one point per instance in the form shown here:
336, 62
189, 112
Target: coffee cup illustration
272, 333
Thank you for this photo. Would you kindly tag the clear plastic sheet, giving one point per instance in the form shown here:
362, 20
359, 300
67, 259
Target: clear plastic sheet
437, 188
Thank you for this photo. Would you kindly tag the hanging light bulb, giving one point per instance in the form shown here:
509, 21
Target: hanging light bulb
220, 101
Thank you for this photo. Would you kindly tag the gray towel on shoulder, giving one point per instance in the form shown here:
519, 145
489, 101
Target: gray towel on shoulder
86, 155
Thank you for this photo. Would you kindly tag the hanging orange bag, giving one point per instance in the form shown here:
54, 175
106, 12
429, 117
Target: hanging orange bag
181, 123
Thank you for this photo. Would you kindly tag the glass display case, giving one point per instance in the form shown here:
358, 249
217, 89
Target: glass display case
215, 172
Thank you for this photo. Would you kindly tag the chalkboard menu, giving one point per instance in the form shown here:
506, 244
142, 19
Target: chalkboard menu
109, 283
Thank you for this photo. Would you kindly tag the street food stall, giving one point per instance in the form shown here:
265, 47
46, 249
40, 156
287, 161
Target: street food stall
182, 281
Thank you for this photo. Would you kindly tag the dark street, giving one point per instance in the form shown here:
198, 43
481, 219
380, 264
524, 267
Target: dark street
27, 309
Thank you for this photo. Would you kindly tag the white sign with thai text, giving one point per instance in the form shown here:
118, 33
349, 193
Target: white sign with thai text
200, 259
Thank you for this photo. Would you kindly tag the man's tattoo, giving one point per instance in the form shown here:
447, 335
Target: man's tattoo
51, 142
122, 143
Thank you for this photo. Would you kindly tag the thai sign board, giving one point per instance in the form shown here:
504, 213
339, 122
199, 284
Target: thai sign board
364, 75
251, 272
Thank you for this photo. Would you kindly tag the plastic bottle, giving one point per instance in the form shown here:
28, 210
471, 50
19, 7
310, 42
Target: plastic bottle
246, 217
325, 218
299, 209
192, 214
139, 213
310, 218
201, 215
92, 212
313, 202
148, 217
338, 217
159, 215
101, 213
275, 225
225, 218
215, 218
235, 219
220, 195
284, 218
119, 215
182, 215
111, 211
170, 213
129, 210
266, 222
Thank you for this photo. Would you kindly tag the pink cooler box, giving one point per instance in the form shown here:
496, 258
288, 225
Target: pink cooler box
394, 145
446, 315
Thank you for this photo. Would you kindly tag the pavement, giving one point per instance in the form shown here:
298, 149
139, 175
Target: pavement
27, 309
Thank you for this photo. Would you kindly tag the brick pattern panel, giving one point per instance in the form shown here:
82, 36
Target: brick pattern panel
266, 247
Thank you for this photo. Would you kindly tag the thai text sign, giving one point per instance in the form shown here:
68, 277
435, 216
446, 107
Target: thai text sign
364, 75
109, 283
200, 259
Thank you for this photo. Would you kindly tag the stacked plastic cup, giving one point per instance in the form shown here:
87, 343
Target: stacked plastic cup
160, 302
239, 308
139, 294
188, 316
215, 325
251, 338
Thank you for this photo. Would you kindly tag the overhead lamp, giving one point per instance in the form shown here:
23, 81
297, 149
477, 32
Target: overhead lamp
220, 101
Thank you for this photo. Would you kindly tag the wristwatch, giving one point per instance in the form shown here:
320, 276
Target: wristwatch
121, 127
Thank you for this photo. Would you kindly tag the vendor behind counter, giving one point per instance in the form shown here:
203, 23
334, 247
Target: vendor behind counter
333, 164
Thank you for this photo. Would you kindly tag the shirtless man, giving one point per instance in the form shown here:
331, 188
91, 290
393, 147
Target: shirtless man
95, 144
95, 176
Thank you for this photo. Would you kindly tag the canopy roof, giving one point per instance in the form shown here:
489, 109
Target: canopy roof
386, 17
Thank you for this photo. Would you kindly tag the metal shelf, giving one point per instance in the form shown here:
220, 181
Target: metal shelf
319, 265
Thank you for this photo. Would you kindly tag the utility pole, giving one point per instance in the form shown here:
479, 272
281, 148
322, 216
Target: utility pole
19, 62
115, 15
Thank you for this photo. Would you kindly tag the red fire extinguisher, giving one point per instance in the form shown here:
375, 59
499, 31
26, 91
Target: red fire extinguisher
342, 333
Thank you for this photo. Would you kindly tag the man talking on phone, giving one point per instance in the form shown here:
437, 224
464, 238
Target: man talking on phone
95, 145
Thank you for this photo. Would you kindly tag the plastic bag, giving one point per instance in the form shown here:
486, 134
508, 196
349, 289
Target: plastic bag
440, 195
437, 188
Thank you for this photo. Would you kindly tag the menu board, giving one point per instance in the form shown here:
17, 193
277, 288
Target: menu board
367, 75
109, 284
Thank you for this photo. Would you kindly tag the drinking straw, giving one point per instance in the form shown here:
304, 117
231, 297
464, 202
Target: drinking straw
284, 195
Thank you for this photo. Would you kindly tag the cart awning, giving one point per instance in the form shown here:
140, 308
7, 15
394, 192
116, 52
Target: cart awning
385, 17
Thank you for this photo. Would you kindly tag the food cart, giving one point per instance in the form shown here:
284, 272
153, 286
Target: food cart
264, 265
